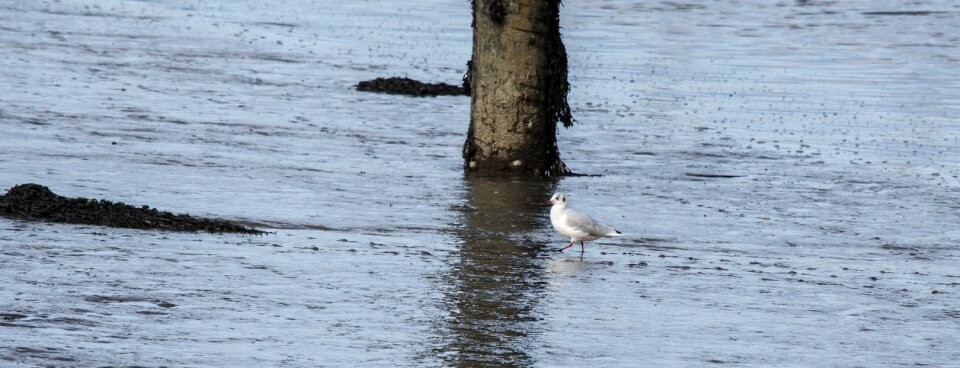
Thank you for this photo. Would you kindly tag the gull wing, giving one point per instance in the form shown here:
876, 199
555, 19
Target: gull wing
587, 224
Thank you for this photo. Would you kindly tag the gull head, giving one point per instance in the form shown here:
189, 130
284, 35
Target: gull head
558, 199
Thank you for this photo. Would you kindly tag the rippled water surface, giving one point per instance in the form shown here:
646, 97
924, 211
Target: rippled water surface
786, 174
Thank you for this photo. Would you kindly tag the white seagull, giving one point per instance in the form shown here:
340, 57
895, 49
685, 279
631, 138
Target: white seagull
577, 226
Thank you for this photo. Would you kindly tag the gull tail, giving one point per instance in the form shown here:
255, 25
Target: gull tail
616, 233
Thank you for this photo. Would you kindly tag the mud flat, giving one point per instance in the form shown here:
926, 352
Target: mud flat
786, 176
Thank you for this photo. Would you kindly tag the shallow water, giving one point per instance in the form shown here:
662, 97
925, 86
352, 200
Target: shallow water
786, 174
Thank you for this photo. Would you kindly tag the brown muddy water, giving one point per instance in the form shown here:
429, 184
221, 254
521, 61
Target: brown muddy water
786, 174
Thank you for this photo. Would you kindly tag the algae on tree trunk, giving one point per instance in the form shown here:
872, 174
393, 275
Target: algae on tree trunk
518, 89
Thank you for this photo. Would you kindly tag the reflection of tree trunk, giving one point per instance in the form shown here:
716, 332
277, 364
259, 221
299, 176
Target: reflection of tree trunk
518, 85
495, 285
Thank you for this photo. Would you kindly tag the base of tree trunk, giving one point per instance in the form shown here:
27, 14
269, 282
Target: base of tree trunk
518, 89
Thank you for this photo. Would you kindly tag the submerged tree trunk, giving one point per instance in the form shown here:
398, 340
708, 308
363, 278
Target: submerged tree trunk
518, 88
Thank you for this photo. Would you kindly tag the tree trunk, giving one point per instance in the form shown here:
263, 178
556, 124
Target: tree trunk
518, 88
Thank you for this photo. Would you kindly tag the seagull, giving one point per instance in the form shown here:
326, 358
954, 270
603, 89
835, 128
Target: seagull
577, 226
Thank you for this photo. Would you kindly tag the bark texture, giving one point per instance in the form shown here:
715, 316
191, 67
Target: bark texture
518, 88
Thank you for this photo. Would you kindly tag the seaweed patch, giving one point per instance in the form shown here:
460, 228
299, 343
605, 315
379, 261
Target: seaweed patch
407, 86
34, 202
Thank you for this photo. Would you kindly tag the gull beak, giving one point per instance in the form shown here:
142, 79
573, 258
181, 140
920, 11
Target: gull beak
549, 201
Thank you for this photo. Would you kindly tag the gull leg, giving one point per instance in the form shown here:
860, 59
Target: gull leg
581, 246
568, 246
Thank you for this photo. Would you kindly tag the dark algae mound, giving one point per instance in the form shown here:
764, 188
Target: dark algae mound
37, 203
407, 86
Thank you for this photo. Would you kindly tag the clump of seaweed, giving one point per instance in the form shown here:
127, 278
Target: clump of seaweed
34, 202
407, 86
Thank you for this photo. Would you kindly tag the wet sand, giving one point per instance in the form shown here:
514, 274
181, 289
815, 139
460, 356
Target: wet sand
786, 175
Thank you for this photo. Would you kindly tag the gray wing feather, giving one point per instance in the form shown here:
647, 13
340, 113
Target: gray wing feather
588, 224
